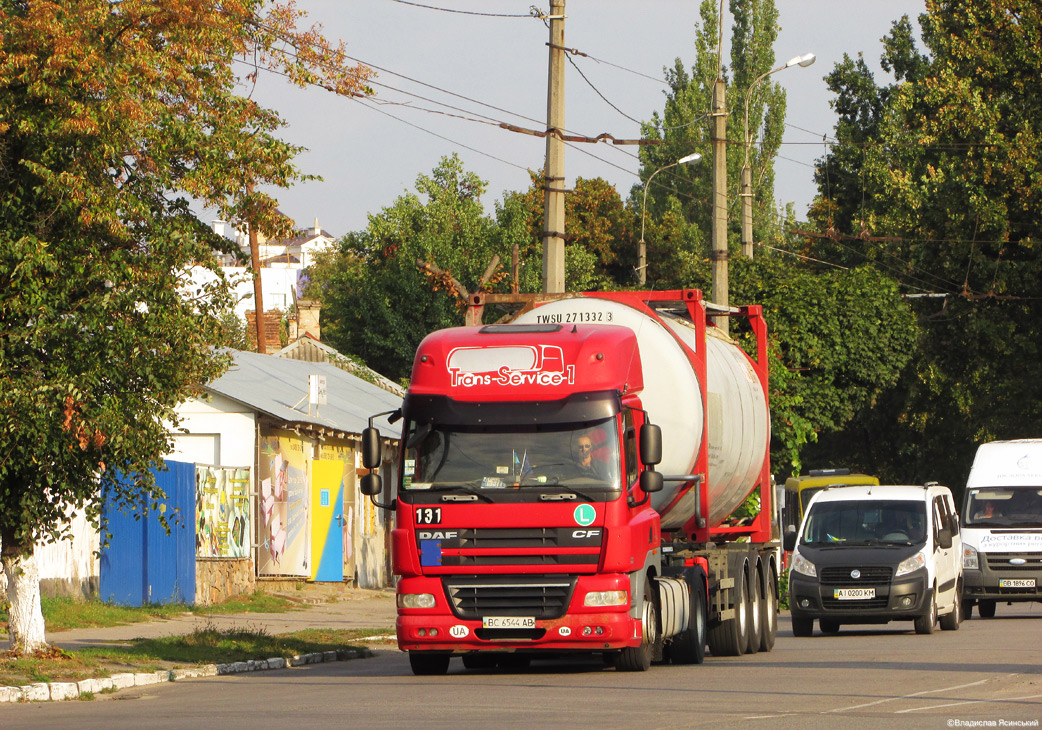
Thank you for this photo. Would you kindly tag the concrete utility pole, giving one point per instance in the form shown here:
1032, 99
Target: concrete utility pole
719, 255
553, 201
258, 293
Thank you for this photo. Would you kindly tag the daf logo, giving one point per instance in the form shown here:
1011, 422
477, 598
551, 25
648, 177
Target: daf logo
436, 535
855, 574
1017, 561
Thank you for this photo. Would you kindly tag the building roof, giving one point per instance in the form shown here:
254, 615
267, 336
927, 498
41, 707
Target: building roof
308, 348
278, 387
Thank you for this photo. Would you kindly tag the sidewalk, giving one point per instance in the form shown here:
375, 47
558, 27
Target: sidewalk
323, 606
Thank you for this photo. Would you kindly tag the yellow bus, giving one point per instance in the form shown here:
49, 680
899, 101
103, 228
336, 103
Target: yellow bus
799, 490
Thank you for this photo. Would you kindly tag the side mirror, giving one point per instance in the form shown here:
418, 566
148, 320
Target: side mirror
944, 538
651, 481
371, 484
650, 446
789, 542
371, 450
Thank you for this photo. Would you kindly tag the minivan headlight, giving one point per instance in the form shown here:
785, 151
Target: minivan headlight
969, 557
911, 564
801, 565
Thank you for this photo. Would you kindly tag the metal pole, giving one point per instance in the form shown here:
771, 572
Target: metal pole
553, 201
719, 256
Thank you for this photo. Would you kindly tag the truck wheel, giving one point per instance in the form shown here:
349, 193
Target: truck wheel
769, 590
731, 637
426, 663
754, 613
925, 624
638, 658
986, 608
802, 626
951, 621
689, 647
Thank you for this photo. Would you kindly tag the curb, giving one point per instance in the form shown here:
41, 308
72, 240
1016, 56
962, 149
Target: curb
87, 688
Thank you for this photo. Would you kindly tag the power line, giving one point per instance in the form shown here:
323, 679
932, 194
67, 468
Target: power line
533, 14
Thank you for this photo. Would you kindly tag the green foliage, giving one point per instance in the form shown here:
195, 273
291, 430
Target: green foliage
948, 176
115, 117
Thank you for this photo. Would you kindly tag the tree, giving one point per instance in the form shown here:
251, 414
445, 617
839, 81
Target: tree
951, 176
115, 116
377, 303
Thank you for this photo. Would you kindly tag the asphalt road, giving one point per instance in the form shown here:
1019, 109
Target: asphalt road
987, 674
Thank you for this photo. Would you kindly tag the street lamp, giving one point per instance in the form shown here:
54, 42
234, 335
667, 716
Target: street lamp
642, 250
747, 185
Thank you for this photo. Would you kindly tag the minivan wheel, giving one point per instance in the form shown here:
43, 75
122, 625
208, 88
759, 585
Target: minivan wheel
986, 608
951, 621
802, 626
925, 624
828, 626
967, 608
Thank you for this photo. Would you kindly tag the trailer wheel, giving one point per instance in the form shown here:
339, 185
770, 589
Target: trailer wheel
689, 647
731, 637
425, 663
769, 591
480, 660
754, 613
638, 658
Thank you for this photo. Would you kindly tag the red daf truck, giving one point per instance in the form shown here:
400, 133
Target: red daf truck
566, 484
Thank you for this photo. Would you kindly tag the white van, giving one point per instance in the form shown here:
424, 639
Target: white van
1002, 526
874, 554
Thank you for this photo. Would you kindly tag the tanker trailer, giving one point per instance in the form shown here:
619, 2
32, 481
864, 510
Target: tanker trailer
567, 482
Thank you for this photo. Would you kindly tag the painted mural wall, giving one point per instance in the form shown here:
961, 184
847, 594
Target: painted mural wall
284, 475
223, 523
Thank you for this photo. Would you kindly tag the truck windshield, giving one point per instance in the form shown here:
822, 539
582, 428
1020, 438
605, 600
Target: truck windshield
883, 522
1003, 507
559, 461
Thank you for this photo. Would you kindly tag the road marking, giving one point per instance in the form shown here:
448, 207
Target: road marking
905, 697
969, 702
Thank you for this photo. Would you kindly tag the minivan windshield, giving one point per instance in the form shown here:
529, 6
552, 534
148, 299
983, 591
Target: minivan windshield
502, 463
874, 522
1003, 507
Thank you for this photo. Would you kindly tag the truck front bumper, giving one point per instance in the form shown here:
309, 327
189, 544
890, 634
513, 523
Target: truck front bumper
997, 580
492, 623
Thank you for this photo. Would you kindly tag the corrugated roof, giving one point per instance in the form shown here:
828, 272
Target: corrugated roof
278, 387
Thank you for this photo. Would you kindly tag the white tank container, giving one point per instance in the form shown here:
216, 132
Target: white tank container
738, 422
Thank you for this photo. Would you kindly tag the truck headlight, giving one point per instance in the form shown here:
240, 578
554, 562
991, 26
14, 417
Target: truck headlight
415, 600
969, 558
908, 565
607, 598
801, 565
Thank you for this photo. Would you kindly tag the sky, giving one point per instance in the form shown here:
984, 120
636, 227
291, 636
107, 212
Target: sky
449, 71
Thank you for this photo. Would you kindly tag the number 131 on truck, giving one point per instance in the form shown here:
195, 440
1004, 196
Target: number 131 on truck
566, 483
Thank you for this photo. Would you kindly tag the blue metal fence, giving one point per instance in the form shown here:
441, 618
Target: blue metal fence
143, 564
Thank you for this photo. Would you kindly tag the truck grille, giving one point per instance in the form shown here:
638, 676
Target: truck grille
528, 546
871, 575
999, 562
538, 596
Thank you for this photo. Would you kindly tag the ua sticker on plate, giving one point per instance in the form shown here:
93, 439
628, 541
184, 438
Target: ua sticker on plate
459, 631
564, 631
584, 514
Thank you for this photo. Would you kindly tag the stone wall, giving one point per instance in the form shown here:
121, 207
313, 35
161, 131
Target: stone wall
218, 580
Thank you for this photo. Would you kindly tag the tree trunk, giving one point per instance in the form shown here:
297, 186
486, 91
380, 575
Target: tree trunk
24, 617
